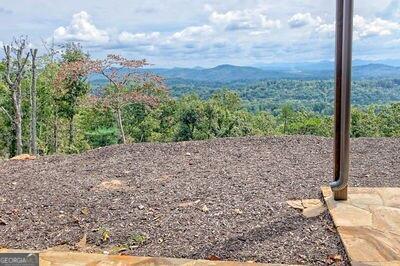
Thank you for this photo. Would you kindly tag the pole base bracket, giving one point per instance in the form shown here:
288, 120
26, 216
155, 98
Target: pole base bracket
340, 195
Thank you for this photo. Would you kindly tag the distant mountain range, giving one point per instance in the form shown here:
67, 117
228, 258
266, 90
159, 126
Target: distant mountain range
305, 71
320, 70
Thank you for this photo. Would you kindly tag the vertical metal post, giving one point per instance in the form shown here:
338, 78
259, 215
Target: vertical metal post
338, 85
344, 40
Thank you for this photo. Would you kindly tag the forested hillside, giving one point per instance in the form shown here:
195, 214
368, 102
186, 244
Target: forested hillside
308, 86
313, 95
54, 103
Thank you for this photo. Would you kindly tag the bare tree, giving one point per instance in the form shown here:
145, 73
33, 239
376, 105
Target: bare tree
51, 50
16, 60
33, 131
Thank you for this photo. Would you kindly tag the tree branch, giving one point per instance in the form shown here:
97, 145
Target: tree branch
7, 114
110, 79
7, 52
21, 70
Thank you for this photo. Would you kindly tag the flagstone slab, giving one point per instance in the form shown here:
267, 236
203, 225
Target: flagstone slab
368, 224
53, 258
309, 207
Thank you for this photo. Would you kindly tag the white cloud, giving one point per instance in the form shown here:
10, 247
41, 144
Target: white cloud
247, 19
303, 19
376, 27
326, 30
143, 39
193, 33
226, 31
311, 26
82, 29
363, 28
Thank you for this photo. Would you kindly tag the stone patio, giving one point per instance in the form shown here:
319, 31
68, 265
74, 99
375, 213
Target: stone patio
52, 258
368, 224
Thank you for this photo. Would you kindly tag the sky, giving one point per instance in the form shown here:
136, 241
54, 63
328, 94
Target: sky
189, 33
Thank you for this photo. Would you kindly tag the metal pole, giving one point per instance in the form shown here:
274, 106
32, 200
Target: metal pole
338, 85
344, 40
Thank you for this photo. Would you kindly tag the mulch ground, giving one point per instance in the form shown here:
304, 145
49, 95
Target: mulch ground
220, 199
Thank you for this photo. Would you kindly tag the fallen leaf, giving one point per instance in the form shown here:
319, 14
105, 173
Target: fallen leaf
106, 237
205, 209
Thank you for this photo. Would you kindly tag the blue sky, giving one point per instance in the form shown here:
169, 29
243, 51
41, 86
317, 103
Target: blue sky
205, 33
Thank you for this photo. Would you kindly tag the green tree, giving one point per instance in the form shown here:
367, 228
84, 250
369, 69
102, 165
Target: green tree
190, 114
72, 85
389, 118
286, 115
308, 123
264, 124
364, 123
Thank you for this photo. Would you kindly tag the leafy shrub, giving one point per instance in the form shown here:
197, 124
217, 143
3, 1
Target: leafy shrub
102, 137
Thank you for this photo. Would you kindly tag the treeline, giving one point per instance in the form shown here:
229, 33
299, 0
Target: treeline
60, 114
311, 95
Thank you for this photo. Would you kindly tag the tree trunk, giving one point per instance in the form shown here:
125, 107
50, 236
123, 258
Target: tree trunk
13, 77
120, 125
17, 119
71, 131
55, 132
33, 130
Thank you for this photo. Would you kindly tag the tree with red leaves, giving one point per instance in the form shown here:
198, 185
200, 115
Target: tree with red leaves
71, 86
126, 85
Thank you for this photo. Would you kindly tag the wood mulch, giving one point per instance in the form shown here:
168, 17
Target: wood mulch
220, 199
